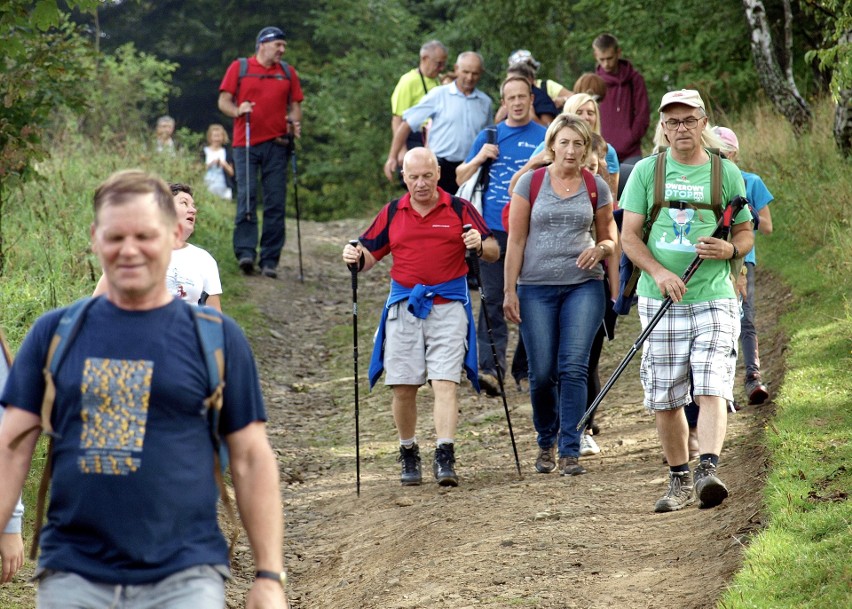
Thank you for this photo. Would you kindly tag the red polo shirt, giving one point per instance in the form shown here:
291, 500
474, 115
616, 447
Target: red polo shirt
269, 94
426, 249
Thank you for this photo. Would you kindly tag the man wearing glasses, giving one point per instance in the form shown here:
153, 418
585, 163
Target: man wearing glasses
695, 343
411, 88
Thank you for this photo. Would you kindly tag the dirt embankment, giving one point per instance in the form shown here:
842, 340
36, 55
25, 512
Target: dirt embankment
497, 540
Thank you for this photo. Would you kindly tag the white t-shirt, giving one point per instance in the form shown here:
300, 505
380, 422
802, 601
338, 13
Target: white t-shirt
192, 270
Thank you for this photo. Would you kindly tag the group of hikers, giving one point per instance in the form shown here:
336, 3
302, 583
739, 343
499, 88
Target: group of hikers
147, 392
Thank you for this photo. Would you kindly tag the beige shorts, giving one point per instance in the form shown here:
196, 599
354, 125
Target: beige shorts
417, 350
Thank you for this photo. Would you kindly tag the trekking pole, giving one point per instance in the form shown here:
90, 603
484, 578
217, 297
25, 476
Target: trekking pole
292, 150
723, 227
353, 268
248, 154
473, 263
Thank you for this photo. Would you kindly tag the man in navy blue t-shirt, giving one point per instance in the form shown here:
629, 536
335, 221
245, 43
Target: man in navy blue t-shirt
516, 139
133, 494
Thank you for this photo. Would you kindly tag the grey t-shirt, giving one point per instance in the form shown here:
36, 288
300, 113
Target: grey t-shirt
560, 229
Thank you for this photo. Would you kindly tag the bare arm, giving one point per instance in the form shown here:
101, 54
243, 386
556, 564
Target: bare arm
215, 301
397, 144
519, 226
640, 255
15, 462
294, 115
466, 170
490, 249
255, 474
228, 105
607, 234
765, 225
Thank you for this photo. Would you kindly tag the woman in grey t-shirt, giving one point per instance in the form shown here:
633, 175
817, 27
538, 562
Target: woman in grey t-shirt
554, 285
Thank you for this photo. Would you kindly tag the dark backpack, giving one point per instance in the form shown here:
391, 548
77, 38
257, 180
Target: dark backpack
628, 272
243, 73
211, 338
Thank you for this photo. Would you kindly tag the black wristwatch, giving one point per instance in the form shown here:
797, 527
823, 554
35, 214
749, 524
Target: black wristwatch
281, 577
736, 253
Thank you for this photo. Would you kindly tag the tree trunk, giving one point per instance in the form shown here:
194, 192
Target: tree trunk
777, 83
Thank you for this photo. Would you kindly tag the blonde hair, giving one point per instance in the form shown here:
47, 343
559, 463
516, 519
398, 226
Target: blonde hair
573, 122
217, 127
573, 103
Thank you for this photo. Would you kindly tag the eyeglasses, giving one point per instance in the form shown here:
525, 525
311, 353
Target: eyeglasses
673, 124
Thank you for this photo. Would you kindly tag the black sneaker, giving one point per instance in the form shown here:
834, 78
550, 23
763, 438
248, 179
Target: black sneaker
410, 460
443, 465
708, 488
246, 266
755, 390
270, 272
679, 494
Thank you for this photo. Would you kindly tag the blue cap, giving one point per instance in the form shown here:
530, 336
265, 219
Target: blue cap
269, 34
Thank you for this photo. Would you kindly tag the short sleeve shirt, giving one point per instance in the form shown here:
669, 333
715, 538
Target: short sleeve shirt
758, 196
676, 231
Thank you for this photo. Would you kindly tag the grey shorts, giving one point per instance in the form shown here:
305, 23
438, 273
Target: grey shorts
199, 587
700, 339
417, 350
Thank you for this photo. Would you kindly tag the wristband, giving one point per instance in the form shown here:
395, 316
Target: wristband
479, 252
736, 253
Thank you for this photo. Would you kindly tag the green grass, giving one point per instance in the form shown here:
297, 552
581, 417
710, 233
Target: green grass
803, 559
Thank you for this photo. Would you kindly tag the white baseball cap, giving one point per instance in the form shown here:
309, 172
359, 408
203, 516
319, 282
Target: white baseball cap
687, 97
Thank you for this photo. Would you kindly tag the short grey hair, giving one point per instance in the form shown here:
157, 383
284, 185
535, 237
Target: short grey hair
432, 45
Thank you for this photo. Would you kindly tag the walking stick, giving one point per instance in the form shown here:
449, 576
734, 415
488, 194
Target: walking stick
292, 149
473, 263
353, 268
248, 154
723, 228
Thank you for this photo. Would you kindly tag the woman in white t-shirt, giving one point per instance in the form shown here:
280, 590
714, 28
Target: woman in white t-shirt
220, 169
193, 274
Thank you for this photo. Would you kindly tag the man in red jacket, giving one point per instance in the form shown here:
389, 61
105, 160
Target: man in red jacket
625, 113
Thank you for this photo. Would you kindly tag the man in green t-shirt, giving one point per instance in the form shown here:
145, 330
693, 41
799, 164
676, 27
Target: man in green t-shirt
695, 343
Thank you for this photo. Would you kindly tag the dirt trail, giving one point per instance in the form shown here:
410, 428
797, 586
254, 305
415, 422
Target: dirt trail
496, 541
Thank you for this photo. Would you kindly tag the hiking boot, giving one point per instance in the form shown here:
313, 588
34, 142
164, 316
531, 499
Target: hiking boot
588, 446
755, 390
709, 490
270, 272
410, 460
442, 467
246, 266
679, 494
489, 384
546, 461
568, 466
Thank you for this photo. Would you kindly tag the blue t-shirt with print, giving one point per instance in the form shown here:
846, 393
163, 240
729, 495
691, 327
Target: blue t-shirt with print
133, 495
758, 196
516, 145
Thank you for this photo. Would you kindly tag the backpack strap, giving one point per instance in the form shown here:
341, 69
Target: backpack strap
535, 184
211, 337
458, 206
485, 168
591, 187
243, 72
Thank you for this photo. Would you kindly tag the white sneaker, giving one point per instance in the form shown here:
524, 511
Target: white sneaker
588, 446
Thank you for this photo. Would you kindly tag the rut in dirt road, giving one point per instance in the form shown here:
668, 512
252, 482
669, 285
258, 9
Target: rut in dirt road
497, 540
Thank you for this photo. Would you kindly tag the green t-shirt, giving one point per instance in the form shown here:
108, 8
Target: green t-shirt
675, 232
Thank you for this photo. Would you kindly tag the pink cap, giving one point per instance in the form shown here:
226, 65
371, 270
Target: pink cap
728, 137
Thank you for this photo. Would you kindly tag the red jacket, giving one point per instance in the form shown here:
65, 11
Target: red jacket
625, 114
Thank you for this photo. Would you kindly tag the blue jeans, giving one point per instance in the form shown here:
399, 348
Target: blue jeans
200, 587
558, 325
271, 159
748, 333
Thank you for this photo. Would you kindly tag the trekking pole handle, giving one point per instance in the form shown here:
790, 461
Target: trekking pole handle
355, 266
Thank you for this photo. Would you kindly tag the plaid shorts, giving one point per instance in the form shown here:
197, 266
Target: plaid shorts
693, 347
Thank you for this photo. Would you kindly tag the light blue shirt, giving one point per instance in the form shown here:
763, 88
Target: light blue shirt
456, 119
758, 196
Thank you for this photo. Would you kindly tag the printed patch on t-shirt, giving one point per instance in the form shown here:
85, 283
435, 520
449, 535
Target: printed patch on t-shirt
682, 190
115, 397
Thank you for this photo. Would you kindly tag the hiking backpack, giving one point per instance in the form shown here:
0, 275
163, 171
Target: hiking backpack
628, 272
211, 338
243, 73
535, 187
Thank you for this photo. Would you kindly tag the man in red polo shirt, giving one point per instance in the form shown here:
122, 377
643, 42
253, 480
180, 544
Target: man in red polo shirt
269, 89
427, 319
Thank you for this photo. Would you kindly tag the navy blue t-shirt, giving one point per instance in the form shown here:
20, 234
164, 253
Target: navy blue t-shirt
133, 495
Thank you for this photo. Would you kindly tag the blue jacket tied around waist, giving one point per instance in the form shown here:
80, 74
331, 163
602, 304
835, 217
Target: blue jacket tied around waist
420, 300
